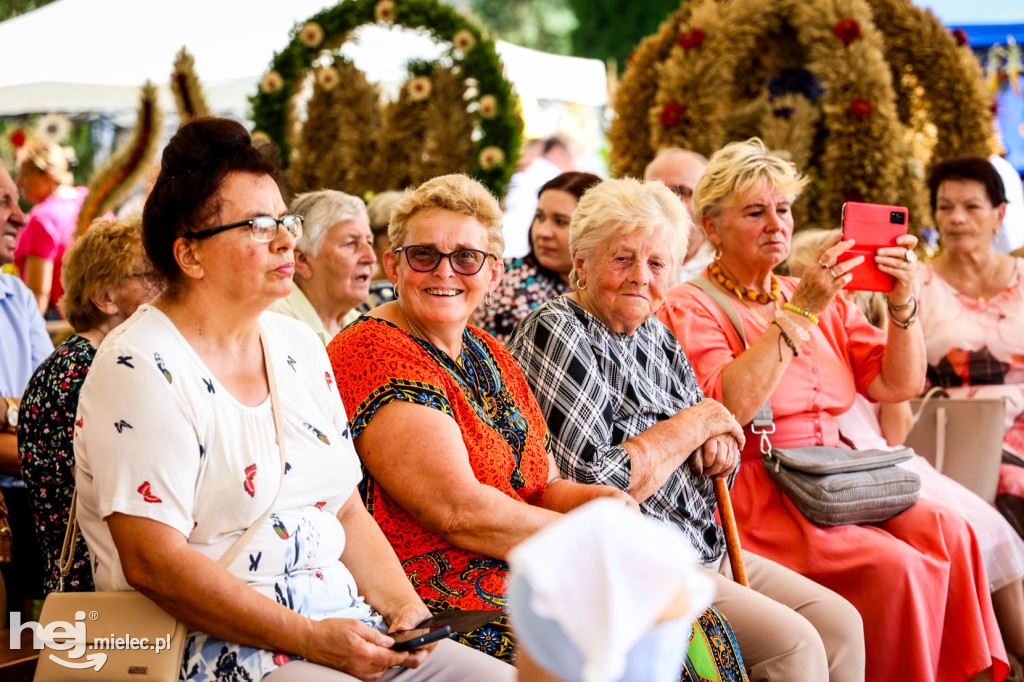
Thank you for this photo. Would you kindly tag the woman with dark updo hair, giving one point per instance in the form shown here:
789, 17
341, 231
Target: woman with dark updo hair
182, 444
544, 272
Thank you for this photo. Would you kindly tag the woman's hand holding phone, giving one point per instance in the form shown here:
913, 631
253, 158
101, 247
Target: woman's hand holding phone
900, 263
823, 279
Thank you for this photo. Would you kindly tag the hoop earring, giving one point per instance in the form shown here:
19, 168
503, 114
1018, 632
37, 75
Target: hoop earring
718, 251
487, 299
581, 286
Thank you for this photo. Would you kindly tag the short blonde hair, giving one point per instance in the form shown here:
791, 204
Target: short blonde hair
620, 206
457, 193
321, 211
108, 253
739, 167
46, 157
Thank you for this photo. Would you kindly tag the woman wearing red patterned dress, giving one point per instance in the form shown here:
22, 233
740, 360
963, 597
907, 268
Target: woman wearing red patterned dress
454, 445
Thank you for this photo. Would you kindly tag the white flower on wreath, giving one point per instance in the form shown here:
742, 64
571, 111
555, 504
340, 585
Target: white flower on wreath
488, 106
384, 11
53, 128
311, 35
272, 82
491, 156
328, 77
463, 41
419, 88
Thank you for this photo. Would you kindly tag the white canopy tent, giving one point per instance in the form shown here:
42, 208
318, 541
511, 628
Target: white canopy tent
92, 55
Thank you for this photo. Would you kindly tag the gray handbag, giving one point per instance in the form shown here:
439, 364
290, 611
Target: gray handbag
830, 486
835, 486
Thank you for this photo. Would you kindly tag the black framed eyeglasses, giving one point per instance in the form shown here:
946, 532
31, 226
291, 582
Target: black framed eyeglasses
427, 258
261, 228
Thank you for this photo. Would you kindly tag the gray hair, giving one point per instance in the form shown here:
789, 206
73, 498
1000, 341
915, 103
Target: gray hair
620, 206
321, 211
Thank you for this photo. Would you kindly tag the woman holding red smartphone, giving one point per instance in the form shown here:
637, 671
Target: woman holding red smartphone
918, 578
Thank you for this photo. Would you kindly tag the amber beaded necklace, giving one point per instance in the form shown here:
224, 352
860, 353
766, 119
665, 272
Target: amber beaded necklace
715, 270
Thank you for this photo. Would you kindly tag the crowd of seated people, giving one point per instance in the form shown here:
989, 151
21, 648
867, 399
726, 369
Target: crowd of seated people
393, 473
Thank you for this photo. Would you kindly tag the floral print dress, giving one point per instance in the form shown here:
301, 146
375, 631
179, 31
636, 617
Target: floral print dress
46, 425
524, 286
975, 349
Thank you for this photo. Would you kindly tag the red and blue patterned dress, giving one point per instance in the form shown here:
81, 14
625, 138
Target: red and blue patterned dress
376, 363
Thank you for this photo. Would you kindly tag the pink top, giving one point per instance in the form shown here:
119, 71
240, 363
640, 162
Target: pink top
48, 233
843, 356
975, 347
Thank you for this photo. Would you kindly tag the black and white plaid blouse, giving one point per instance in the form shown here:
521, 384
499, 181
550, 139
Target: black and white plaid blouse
598, 389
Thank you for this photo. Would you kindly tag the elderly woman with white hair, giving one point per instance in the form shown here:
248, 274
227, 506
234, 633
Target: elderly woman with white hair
334, 262
810, 351
625, 410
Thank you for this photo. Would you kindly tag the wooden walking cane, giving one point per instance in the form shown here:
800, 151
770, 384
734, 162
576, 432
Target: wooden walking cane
732, 537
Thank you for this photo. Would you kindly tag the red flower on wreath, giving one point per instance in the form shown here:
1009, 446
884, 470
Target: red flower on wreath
861, 108
847, 30
671, 114
692, 38
18, 138
960, 36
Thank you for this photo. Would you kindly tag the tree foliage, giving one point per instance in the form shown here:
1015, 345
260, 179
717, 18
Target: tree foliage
612, 28
12, 8
538, 24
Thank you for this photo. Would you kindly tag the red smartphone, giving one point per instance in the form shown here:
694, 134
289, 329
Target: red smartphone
871, 226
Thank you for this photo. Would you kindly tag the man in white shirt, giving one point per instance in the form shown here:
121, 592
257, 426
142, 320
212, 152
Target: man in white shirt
521, 200
680, 169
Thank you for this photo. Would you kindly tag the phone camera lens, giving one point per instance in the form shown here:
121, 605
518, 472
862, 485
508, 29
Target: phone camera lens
897, 218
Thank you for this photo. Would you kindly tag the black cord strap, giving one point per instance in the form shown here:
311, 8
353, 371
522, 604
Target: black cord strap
783, 336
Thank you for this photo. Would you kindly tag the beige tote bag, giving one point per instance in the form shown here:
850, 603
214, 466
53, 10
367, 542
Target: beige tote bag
961, 437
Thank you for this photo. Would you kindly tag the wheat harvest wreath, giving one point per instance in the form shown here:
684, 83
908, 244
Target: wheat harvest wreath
455, 114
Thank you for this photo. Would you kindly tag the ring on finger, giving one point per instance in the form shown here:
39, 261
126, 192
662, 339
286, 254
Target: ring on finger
824, 265
832, 272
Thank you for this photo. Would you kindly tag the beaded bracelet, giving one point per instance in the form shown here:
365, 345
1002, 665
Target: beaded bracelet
800, 311
791, 325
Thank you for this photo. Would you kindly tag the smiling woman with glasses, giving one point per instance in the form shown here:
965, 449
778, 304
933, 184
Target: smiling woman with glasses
195, 410
462, 261
453, 443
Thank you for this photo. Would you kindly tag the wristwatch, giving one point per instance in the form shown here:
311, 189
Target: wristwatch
12, 414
